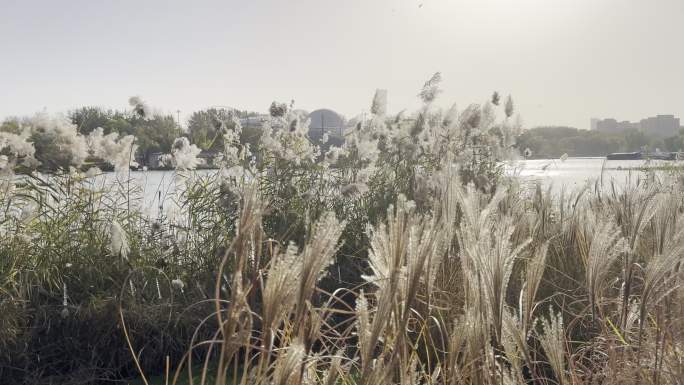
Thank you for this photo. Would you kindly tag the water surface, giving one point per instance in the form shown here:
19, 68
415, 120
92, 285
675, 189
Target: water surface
157, 186
577, 172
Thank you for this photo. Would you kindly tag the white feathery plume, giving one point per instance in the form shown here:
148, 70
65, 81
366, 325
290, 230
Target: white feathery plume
178, 284
184, 154
606, 247
552, 339
61, 132
118, 243
140, 108
115, 150
93, 172
508, 107
431, 89
379, 106
287, 364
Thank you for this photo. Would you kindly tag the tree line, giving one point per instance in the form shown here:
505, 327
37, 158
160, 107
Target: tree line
554, 141
157, 132
154, 133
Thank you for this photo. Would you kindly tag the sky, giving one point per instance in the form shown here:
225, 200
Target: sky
563, 61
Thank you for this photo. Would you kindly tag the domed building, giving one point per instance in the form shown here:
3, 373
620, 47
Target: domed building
325, 121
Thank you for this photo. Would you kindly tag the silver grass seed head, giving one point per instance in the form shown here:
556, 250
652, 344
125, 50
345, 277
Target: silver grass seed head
496, 98
118, 244
474, 119
140, 108
431, 89
379, 106
509, 108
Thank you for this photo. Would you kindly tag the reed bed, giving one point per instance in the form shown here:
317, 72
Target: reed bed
404, 257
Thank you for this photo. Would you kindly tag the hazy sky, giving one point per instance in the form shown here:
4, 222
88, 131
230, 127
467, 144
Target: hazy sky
563, 61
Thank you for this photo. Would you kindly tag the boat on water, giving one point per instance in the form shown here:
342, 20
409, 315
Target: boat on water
643, 156
664, 156
625, 156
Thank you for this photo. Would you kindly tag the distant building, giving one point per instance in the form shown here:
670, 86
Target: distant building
661, 125
612, 126
594, 124
321, 121
325, 121
155, 160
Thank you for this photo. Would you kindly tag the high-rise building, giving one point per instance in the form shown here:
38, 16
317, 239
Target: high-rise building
612, 126
660, 125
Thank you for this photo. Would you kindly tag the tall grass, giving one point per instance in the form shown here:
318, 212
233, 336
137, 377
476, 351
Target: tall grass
404, 257
411, 324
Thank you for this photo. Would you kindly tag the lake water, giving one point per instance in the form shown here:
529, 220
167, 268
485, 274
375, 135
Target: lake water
577, 172
156, 186
570, 174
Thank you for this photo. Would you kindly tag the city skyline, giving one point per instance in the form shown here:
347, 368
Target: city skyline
661, 125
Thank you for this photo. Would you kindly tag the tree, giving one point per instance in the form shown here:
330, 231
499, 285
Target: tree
11, 125
635, 140
555, 141
49, 150
122, 123
86, 119
277, 110
155, 135
204, 127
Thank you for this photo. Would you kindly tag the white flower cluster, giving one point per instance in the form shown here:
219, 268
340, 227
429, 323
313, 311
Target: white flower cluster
183, 155
118, 241
472, 140
233, 151
286, 138
18, 146
140, 108
59, 130
115, 150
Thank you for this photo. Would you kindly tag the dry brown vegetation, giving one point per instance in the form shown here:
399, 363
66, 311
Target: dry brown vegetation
508, 288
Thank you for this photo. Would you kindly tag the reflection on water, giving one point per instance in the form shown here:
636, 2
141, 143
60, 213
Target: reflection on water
156, 187
578, 172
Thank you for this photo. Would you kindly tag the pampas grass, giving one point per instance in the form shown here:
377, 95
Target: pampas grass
405, 257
